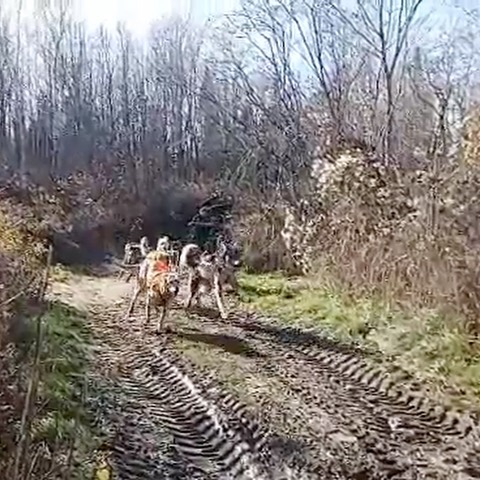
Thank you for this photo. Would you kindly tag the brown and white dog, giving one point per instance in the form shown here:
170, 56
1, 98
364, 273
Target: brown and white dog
159, 283
208, 273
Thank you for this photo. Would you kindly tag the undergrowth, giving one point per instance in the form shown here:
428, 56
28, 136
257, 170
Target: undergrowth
20, 272
64, 422
429, 345
62, 437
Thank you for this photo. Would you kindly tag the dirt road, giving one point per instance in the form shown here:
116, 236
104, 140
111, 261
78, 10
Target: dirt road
248, 398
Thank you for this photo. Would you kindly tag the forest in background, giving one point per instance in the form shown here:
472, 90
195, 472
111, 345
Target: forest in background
105, 135
349, 138
355, 129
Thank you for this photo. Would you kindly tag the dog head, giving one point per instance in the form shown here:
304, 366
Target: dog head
165, 285
234, 256
229, 253
131, 254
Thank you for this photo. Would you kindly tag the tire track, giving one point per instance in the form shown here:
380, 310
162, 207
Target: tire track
206, 438
316, 444
411, 415
137, 447
350, 363
330, 413
406, 435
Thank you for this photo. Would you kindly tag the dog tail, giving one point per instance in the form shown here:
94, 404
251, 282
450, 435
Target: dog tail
190, 256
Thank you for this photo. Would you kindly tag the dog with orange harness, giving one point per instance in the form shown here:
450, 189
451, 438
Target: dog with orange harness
159, 282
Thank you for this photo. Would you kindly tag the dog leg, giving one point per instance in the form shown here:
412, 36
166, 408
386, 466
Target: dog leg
147, 309
217, 291
193, 291
189, 299
234, 284
198, 299
193, 295
161, 319
134, 299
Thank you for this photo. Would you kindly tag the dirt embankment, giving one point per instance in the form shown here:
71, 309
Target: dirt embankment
249, 398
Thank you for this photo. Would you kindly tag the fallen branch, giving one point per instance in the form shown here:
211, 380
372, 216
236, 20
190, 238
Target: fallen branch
22, 292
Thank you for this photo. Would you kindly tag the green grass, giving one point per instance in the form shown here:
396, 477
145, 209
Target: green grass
426, 344
60, 273
63, 421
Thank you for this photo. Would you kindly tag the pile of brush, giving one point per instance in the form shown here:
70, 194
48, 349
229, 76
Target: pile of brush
212, 221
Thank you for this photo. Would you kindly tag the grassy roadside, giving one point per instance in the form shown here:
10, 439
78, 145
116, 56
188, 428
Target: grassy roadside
431, 347
54, 437
63, 437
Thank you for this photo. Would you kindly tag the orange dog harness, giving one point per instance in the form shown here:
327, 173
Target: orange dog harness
162, 266
160, 262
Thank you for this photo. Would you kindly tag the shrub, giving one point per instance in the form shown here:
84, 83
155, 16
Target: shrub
410, 235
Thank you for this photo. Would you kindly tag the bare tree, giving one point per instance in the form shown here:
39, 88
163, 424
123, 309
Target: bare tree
180, 107
384, 27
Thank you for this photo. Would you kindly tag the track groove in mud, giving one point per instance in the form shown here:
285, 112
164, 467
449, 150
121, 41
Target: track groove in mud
208, 439
320, 410
408, 437
349, 363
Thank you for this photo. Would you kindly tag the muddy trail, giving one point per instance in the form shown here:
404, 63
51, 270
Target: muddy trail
249, 398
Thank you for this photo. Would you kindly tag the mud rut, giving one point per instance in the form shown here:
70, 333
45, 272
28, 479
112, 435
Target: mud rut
333, 416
